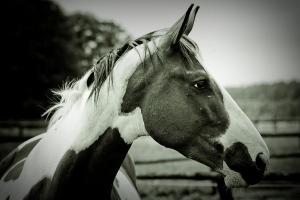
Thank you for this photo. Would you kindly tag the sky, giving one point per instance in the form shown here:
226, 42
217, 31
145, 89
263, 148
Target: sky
242, 42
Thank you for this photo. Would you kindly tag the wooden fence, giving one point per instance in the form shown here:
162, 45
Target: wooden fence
12, 131
23, 130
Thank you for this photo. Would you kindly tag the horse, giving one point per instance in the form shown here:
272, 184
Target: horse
153, 86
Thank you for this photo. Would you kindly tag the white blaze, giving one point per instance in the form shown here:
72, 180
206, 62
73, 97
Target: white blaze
240, 129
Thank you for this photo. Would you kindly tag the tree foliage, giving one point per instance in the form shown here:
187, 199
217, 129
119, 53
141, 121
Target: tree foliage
43, 48
269, 100
94, 38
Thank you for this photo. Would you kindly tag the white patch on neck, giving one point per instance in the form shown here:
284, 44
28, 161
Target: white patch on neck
131, 125
82, 126
107, 111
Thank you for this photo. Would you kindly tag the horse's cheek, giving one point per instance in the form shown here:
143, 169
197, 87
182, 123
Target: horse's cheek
165, 117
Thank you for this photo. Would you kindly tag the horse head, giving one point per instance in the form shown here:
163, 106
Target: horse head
183, 107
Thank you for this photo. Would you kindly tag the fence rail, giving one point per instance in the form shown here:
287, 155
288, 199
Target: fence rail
22, 131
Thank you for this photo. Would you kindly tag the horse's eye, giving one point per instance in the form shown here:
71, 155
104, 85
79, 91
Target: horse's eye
201, 84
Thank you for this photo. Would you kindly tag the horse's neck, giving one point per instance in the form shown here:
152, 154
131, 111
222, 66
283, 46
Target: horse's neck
91, 171
79, 156
93, 139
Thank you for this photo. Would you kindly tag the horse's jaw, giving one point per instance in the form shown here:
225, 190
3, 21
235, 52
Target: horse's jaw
232, 179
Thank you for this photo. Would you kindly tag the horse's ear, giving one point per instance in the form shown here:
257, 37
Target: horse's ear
183, 26
191, 20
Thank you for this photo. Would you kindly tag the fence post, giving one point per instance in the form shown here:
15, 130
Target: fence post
299, 131
21, 132
275, 124
225, 193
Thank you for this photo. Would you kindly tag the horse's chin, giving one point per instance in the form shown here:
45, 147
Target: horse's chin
233, 179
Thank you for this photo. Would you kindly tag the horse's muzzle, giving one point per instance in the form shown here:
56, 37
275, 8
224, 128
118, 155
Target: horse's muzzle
238, 159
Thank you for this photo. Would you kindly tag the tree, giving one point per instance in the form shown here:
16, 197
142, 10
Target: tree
43, 48
94, 38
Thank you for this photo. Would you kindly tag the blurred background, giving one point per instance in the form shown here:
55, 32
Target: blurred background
250, 47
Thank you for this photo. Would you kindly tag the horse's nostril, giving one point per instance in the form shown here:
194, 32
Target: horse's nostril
261, 161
